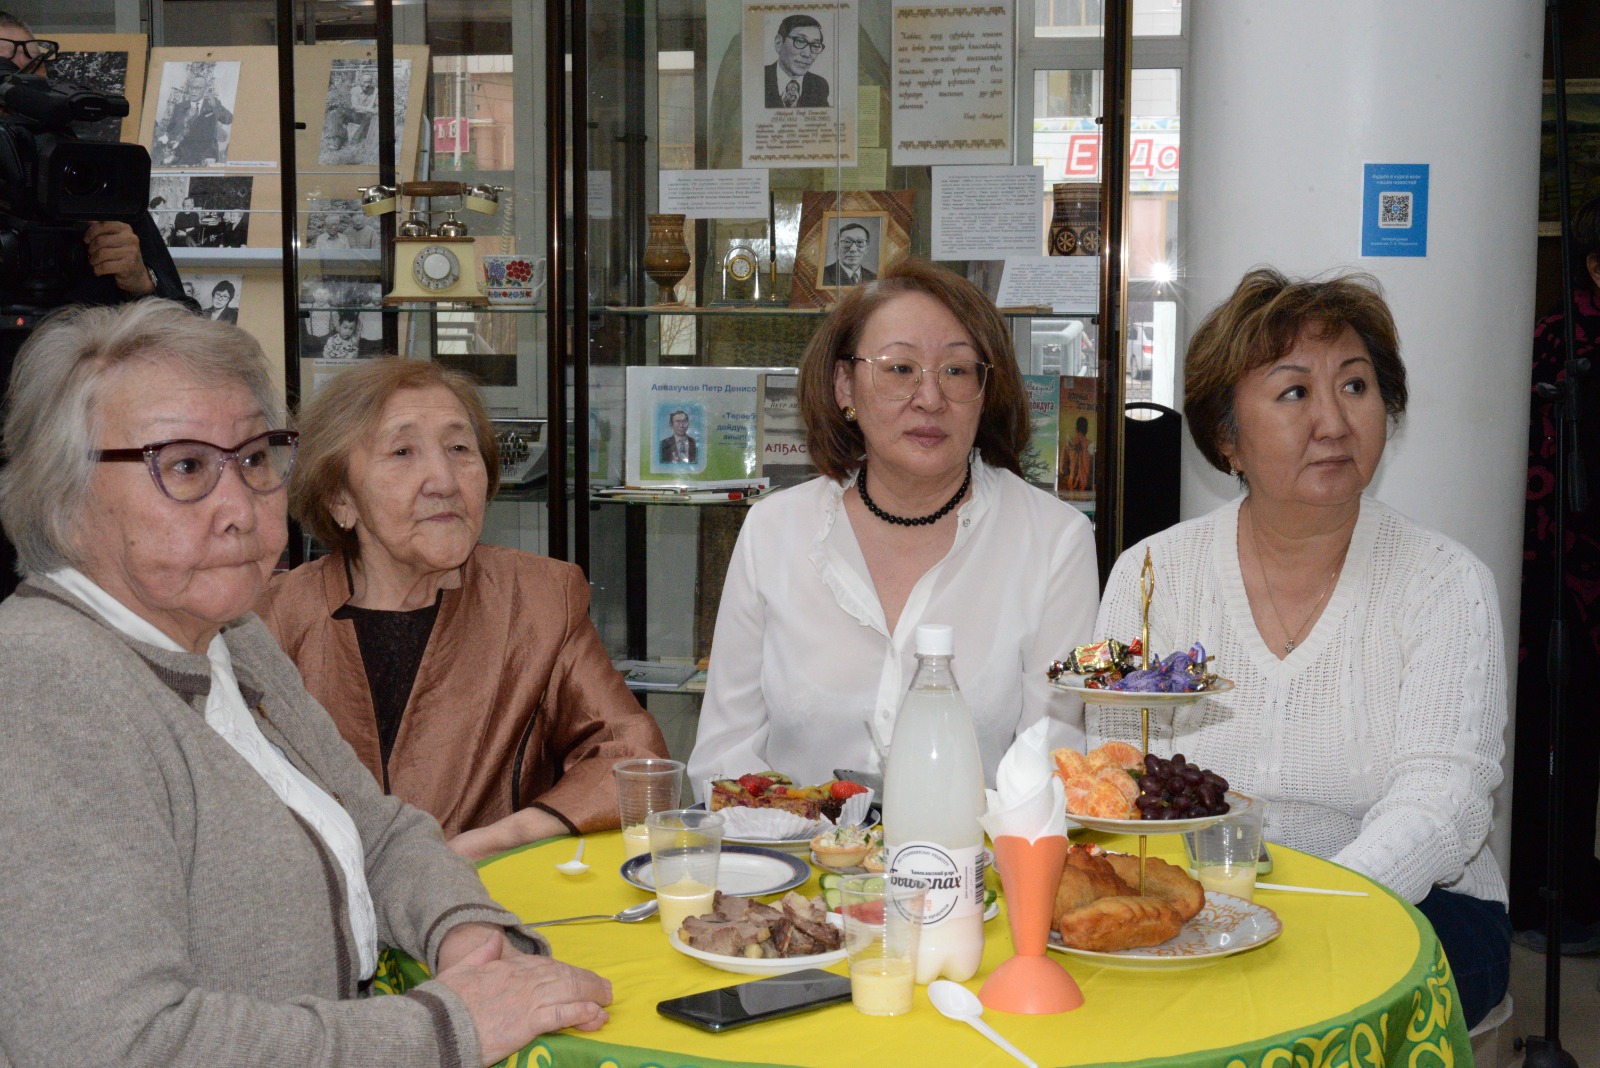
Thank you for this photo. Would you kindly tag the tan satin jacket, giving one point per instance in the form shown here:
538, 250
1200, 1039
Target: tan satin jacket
515, 702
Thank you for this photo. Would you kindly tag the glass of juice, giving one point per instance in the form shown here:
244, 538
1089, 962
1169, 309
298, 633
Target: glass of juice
1226, 852
882, 927
644, 786
685, 848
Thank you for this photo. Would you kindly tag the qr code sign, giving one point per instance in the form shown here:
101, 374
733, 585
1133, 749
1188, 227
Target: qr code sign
1394, 210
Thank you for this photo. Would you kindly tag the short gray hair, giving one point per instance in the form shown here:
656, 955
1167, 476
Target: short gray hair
52, 413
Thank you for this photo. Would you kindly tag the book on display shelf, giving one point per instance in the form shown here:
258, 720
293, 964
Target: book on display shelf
1040, 458
656, 674
785, 460
1079, 424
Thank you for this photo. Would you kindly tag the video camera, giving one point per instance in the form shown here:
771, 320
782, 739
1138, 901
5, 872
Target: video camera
52, 185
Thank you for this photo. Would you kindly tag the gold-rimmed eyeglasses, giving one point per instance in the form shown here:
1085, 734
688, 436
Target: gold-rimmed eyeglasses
188, 470
898, 378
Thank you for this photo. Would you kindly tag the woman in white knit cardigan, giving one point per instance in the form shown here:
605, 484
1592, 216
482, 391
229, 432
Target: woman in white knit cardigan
1370, 686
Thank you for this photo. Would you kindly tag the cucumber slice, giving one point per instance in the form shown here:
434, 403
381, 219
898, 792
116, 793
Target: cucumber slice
828, 882
990, 897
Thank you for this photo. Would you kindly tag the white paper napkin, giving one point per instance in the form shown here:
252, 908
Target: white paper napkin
1030, 802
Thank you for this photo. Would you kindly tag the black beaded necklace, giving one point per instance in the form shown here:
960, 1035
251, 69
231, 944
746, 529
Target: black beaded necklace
922, 521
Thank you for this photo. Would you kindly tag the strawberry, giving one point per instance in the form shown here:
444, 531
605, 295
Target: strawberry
842, 790
755, 785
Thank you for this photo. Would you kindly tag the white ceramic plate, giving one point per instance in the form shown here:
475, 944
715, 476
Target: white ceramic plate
743, 871
1237, 802
1227, 925
763, 965
1133, 698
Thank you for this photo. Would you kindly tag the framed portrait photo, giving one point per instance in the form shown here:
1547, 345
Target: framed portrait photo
848, 239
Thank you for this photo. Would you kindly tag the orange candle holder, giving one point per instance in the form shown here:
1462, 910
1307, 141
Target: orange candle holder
1030, 982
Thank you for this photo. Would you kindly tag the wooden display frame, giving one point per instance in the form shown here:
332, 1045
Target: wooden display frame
889, 212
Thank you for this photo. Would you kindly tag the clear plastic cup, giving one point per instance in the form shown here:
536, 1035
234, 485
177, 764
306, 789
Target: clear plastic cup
1225, 853
882, 929
644, 786
685, 850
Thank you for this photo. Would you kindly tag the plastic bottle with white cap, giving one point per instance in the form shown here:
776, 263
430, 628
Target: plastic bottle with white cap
932, 798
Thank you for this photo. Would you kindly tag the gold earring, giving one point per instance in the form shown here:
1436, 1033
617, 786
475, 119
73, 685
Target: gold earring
849, 413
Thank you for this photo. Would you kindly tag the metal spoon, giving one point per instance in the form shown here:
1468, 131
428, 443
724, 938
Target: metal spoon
632, 914
575, 866
959, 1003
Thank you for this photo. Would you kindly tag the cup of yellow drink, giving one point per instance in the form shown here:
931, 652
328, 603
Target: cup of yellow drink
685, 849
644, 786
1226, 852
882, 928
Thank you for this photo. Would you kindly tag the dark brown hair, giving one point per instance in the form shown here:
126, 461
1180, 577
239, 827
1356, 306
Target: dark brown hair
1265, 317
345, 412
835, 444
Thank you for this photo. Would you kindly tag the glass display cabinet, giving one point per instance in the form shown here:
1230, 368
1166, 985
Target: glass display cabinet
701, 179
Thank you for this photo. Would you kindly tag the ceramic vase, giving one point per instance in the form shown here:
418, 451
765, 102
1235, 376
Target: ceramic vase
666, 258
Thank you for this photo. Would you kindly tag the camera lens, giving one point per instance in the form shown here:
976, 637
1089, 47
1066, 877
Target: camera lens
83, 178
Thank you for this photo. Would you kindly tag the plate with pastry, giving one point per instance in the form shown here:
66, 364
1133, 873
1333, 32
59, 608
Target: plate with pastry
749, 871
1100, 915
748, 938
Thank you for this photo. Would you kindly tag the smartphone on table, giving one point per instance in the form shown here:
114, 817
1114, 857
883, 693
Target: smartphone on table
763, 999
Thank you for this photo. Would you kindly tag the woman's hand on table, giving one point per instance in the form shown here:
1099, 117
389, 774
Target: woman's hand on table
515, 998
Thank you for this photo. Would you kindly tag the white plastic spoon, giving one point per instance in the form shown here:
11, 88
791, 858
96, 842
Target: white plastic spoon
959, 1003
575, 866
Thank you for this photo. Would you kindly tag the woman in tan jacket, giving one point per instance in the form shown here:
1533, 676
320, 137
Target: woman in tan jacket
468, 678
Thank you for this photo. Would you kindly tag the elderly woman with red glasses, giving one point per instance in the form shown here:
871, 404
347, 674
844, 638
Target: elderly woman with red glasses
916, 416
198, 868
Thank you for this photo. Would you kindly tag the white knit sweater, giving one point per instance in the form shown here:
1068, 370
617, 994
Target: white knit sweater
1377, 741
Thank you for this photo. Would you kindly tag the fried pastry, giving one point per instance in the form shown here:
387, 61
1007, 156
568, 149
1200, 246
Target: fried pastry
1166, 883
1117, 923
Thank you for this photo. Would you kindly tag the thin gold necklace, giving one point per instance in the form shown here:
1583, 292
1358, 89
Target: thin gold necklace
1261, 565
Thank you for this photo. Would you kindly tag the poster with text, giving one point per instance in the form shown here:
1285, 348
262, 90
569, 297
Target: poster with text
798, 84
693, 426
952, 83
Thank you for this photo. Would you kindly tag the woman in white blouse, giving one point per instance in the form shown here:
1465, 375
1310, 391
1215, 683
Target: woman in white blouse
1366, 651
916, 417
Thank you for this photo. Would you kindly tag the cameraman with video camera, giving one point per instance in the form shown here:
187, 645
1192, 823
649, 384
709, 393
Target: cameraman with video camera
74, 228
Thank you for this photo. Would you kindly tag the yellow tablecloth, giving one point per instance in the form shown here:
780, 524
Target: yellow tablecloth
1351, 981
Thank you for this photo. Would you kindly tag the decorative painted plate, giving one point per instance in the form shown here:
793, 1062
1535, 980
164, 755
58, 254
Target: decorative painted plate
743, 871
1225, 926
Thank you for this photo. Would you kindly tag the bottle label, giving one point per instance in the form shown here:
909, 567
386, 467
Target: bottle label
955, 878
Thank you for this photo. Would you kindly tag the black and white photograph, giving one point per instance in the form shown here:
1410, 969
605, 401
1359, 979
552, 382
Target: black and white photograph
853, 248
194, 113
339, 224
104, 72
789, 80
332, 326
201, 211
349, 121
217, 294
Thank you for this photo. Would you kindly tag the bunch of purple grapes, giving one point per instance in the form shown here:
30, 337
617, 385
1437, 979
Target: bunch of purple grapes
1178, 790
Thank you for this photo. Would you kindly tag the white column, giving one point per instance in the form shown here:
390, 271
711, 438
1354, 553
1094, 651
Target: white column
1285, 102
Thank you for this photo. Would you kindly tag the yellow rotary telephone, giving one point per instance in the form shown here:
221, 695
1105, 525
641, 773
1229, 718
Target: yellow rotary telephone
433, 263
